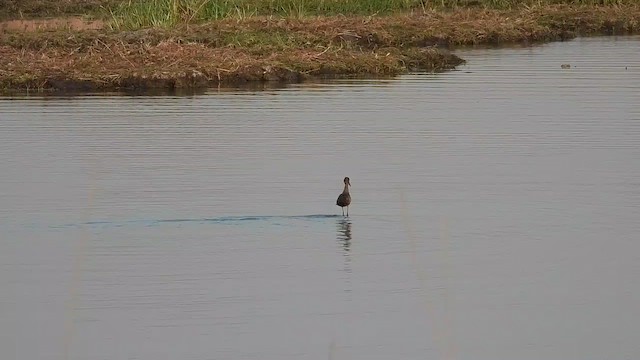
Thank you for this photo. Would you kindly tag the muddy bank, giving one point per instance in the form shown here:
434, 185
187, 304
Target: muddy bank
172, 64
261, 49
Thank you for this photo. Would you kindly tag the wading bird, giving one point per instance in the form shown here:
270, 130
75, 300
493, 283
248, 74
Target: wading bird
345, 198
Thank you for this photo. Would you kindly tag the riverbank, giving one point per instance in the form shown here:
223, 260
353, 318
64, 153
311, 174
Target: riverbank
282, 49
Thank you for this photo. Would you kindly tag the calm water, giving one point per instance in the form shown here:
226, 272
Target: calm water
496, 215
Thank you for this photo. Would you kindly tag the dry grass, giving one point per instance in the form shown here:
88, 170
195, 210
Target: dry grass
171, 64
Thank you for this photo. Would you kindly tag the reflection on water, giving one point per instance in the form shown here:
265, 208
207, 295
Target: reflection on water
152, 227
344, 233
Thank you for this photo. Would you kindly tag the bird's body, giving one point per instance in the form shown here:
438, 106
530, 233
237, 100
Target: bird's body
345, 198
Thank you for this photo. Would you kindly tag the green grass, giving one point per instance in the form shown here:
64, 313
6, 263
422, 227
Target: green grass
18, 9
145, 13
134, 14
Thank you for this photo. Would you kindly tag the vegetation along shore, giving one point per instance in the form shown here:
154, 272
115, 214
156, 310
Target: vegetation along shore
167, 44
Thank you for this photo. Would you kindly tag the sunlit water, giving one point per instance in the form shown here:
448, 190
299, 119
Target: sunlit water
495, 215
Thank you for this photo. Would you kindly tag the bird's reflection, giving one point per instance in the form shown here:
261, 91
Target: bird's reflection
344, 240
344, 234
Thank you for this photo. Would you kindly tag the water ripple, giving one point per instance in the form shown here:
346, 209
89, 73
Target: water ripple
218, 220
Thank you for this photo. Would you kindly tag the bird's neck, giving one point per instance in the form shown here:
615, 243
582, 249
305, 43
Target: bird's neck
346, 189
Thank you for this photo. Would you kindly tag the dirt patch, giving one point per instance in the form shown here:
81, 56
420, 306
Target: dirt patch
73, 24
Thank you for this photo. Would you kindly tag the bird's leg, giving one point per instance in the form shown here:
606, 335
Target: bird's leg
347, 210
342, 211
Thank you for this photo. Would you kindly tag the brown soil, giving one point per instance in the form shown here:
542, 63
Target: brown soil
282, 50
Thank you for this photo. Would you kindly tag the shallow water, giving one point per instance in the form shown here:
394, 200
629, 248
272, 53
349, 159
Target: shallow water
495, 215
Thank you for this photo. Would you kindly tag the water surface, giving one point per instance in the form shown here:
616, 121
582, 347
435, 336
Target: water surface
496, 213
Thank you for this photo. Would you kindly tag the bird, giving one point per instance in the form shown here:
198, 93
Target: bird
345, 198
